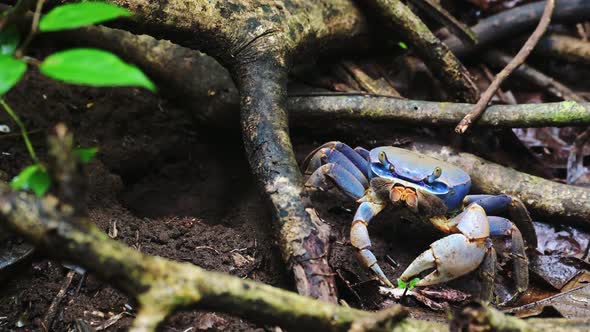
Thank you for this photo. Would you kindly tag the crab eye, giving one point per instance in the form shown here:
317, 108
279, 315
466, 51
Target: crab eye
382, 158
437, 172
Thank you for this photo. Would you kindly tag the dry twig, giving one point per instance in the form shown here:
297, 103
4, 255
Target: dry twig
516, 61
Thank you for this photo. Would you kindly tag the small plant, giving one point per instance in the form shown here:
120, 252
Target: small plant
84, 66
409, 285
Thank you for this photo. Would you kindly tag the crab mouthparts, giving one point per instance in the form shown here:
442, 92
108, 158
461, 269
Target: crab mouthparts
405, 195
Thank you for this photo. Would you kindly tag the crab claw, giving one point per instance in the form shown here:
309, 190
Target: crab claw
451, 257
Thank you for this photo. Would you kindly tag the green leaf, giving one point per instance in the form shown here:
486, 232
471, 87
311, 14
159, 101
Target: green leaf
85, 154
402, 45
33, 178
9, 39
11, 71
409, 285
93, 67
76, 15
413, 283
401, 284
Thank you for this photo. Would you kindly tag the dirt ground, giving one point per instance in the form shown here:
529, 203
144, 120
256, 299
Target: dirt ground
168, 187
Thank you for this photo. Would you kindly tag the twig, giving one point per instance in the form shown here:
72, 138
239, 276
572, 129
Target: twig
516, 61
54, 307
533, 76
15, 13
22, 128
34, 27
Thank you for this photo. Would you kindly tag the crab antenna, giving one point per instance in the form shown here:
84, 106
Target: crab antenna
434, 175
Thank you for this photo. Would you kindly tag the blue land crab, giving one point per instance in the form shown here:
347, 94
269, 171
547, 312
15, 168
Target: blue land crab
433, 191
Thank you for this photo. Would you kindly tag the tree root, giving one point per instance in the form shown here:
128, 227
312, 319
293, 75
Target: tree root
435, 114
531, 75
257, 41
445, 66
554, 202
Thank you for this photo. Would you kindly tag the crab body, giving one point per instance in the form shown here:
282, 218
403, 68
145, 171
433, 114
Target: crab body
411, 168
433, 191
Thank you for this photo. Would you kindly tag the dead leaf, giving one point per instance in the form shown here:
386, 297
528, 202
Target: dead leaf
557, 271
571, 304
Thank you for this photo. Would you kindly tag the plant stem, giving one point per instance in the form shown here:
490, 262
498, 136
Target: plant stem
34, 27
23, 130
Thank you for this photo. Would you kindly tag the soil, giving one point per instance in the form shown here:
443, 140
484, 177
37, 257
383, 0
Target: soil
169, 187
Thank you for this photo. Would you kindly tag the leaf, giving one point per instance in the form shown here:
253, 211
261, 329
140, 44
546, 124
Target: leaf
409, 285
85, 154
9, 39
93, 67
11, 71
401, 284
413, 283
33, 178
76, 15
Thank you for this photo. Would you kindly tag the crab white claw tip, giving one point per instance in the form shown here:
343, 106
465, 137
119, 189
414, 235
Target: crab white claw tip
451, 257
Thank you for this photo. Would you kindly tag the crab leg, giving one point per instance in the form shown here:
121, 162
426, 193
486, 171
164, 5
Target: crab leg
496, 204
503, 227
355, 158
487, 274
359, 238
363, 152
329, 174
327, 155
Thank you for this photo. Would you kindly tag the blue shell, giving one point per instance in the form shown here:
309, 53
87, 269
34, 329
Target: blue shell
451, 186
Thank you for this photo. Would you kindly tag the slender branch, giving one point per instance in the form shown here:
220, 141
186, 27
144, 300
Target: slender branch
443, 63
514, 63
34, 27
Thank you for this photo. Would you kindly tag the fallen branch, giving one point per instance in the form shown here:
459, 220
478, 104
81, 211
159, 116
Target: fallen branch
531, 75
437, 56
518, 59
517, 21
303, 109
564, 47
